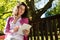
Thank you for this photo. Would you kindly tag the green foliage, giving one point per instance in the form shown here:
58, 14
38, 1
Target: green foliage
5, 6
2, 8
57, 8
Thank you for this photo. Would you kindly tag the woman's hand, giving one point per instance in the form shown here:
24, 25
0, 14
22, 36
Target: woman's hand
16, 29
26, 32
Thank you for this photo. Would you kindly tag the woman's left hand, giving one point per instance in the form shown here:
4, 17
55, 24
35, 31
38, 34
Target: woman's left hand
26, 32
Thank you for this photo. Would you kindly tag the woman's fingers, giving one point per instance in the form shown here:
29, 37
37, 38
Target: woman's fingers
26, 32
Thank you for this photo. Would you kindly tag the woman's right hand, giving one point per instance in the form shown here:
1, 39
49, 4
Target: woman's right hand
16, 29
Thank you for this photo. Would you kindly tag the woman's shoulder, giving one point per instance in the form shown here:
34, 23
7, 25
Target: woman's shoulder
9, 18
25, 20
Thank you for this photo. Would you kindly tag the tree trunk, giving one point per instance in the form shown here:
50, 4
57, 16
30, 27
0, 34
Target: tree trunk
32, 9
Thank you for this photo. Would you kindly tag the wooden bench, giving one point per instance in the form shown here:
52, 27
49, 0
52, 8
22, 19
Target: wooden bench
2, 37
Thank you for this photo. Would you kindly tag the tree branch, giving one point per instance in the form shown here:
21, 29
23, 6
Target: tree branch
46, 7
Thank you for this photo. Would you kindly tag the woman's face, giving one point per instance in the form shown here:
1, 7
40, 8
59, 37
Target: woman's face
21, 10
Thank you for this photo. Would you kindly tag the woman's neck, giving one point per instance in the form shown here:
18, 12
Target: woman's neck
16, 18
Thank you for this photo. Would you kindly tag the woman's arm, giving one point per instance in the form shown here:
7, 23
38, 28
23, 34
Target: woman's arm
26, 32
7, 26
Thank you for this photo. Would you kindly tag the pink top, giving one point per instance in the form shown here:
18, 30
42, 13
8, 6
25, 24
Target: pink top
10, 19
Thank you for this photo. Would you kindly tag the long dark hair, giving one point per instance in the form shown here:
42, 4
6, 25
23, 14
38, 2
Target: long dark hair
25, 15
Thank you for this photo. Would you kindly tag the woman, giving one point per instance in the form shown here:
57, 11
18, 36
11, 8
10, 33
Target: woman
13, 23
